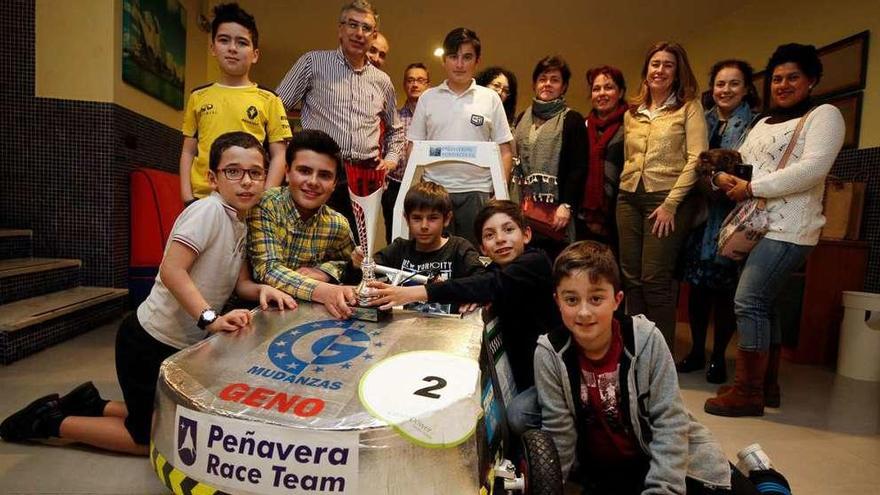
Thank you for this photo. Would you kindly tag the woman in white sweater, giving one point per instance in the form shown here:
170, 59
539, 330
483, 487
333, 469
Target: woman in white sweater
794, 204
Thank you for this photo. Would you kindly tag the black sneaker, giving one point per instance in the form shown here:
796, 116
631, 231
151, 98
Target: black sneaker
39, 419
84, 400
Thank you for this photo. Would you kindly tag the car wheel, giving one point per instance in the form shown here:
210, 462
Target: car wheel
540, 464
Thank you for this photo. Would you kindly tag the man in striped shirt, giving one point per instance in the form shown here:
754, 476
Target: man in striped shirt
348, 98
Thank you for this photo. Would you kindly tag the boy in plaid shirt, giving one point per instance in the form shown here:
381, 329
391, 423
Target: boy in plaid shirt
296, 242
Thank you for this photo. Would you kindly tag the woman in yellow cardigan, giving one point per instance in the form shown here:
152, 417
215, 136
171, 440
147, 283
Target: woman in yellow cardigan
664, 132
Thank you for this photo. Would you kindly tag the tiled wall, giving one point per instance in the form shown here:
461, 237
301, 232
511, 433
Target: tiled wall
64, 164
865, 164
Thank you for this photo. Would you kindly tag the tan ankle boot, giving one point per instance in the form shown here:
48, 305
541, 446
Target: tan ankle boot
746, 397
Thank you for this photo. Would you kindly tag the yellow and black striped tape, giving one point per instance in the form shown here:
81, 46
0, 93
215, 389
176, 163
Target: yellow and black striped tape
176, 480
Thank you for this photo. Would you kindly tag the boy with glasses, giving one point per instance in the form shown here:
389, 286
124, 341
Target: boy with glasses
204, 262
233, 103
348, 98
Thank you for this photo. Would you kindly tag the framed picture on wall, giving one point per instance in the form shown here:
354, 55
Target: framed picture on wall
154, 48
850, 105
844, 66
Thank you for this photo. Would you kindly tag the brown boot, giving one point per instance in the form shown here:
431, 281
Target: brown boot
772, 395
746, 398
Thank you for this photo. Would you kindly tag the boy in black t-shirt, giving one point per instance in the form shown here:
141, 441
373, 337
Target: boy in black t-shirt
428, 211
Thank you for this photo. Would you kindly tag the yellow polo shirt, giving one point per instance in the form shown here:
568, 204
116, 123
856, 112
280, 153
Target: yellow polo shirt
214, 110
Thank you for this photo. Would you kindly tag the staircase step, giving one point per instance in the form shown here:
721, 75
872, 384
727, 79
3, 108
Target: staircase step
30, 325
21, 278
15, 243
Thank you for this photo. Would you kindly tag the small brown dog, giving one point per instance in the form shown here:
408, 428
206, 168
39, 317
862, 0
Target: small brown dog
713, 161
718, 160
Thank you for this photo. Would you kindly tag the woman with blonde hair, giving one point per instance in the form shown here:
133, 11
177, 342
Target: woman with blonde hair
664, 133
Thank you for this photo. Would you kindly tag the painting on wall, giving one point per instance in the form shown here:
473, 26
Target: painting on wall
850, 106
845, 66
154, 48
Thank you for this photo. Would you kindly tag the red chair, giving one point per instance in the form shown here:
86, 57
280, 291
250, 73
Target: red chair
155, 204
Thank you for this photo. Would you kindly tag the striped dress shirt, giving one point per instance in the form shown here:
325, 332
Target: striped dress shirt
280, 242
346, 103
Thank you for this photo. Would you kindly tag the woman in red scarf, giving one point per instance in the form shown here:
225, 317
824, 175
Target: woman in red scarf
605, 134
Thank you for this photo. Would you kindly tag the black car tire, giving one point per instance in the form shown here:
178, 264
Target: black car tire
540, 464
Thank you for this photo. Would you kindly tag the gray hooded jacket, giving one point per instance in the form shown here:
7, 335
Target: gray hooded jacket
675, 443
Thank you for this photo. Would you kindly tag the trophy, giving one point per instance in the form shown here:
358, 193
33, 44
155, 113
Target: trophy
365, 191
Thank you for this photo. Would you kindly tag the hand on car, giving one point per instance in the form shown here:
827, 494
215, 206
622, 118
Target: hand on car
281, 299
387, 296
230, 322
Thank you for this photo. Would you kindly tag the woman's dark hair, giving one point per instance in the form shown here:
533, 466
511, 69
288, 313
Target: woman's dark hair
685, 85
231, 12
751, 97
550, 63
235, 138
610, 72
805, 56
486, 76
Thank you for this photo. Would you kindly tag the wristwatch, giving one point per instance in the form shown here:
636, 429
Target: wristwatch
207, 317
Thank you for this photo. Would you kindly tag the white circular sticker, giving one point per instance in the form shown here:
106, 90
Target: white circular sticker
430, 397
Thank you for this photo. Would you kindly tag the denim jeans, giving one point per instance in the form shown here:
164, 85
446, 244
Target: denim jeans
765, 272
523, 412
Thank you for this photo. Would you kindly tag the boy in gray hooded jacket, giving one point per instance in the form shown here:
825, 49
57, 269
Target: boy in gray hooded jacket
609, 393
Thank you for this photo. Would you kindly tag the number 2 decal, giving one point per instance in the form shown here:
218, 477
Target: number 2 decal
429, 391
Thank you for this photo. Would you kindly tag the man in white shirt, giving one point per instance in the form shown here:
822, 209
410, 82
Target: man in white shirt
460, 110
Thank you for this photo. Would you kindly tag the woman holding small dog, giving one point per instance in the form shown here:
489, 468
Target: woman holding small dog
793, 191
664, 133
713, 278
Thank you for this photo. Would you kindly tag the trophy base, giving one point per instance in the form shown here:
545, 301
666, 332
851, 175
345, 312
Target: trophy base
370, 313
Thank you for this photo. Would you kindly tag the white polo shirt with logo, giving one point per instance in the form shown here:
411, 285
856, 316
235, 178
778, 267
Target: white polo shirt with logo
475, 115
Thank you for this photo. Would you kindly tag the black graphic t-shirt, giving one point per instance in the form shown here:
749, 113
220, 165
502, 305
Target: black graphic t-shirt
609, 436
457, 258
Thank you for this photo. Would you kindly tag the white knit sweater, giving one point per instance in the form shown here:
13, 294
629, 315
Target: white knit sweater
794, 194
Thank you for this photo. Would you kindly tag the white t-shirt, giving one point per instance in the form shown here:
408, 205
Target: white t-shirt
794, 194
211, 228
475, 115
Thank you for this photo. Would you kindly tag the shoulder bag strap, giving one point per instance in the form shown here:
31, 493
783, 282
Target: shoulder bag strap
794, 137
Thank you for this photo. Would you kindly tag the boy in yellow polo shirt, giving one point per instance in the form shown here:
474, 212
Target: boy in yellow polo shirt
233, 103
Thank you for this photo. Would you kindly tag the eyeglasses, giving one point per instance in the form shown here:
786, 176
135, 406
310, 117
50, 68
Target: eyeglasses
500, 88
355, 25
236, 174
420, 80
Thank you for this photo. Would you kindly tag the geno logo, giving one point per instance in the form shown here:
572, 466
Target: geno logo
325, 342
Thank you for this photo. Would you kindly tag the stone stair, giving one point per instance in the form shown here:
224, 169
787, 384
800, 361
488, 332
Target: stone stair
41, 299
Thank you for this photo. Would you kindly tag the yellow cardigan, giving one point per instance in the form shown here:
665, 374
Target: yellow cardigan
662, 152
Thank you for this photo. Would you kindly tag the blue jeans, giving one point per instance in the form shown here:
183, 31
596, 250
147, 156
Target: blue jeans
765, 272
523, 412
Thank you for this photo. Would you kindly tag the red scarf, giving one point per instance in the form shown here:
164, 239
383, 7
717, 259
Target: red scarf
594, 193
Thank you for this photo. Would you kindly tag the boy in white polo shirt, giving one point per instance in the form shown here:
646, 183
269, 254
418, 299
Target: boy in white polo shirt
460, 110
204, 262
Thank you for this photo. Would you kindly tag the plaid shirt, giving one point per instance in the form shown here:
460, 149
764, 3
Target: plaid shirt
406, 114
280, 241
